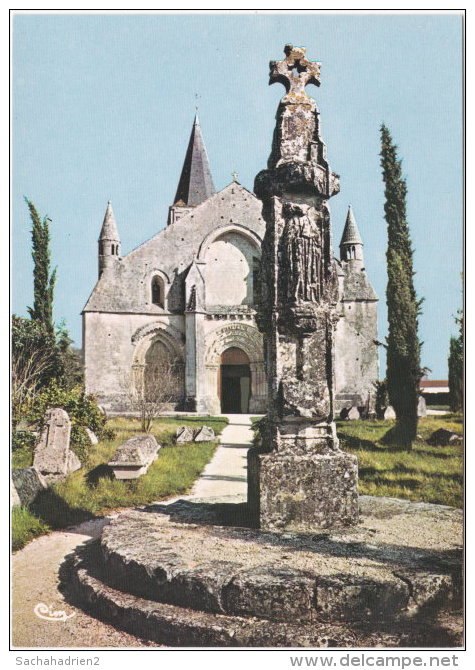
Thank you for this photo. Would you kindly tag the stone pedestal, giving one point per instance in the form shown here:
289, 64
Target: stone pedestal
298, 478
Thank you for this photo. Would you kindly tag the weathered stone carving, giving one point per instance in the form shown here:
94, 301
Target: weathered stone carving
300, 478
53, 458
133, 458
204, 434
184, 434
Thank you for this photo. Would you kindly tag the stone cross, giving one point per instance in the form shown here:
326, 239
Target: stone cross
299, 479
295, 72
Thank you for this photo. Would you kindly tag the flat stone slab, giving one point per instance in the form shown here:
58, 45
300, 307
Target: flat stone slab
402, 559
133, 458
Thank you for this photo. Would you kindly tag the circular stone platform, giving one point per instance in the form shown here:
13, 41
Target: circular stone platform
401, 565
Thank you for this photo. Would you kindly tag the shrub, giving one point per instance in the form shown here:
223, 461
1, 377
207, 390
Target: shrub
23, 439
82, 410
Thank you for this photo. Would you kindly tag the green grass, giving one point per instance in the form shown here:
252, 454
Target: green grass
22, 458
25, 527
427, 473
93, 489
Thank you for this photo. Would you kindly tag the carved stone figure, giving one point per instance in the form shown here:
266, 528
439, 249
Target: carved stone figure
303, 253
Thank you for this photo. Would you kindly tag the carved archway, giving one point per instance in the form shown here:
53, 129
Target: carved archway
241, 336
159, 351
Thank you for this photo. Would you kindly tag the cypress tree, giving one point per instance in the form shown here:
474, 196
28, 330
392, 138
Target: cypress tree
456, 369
43, 282
403, 346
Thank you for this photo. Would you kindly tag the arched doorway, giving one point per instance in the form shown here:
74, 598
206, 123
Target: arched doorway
235, 381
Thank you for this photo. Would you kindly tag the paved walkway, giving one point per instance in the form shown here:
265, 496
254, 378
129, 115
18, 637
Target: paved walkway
226, 474
35, 568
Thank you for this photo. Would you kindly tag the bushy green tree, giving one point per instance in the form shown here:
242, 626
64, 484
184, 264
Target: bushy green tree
403, 372
33, 362
456, 368
40, 354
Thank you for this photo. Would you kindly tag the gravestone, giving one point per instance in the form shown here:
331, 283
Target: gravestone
26, 483
389, 413
184, 434
204, 434
92, 436
133, 458
353, 414
421, 407
53, 457
300, 478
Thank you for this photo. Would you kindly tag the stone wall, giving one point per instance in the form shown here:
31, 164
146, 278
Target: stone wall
356, 354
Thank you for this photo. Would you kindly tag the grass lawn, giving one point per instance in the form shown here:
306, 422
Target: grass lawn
92, 490
427, 474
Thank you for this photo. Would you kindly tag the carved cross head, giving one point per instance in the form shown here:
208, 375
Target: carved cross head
295, 72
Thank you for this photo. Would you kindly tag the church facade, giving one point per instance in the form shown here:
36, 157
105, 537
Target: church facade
184, 301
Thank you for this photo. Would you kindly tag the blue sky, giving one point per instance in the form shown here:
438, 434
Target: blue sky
103, 106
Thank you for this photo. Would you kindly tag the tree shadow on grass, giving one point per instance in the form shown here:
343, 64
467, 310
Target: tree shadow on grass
357, 444
102, 471
50, 508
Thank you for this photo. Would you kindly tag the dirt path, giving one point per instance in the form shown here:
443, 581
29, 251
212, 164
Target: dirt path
35, 586
35, 568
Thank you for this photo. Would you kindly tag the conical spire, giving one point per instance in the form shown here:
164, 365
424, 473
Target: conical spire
196, 183
351, 234
109, 227
109, 241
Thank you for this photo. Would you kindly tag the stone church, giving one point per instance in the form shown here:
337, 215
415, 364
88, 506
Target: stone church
184, 301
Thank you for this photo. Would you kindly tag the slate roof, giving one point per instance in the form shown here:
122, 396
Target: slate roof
351, 234
109, 226
196, 183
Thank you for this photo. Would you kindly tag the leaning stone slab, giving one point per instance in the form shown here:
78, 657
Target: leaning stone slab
389, 413
133, 458
205, 434
353, 414
443, 437
92, 436
27, 483
52, 454
184, 434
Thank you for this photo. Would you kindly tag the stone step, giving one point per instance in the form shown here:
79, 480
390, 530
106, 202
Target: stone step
82, 582
175, 554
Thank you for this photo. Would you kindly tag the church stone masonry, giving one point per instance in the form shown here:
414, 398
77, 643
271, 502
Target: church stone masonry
299, 478
187, 296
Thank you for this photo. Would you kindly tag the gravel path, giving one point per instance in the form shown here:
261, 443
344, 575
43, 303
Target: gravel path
35, 568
